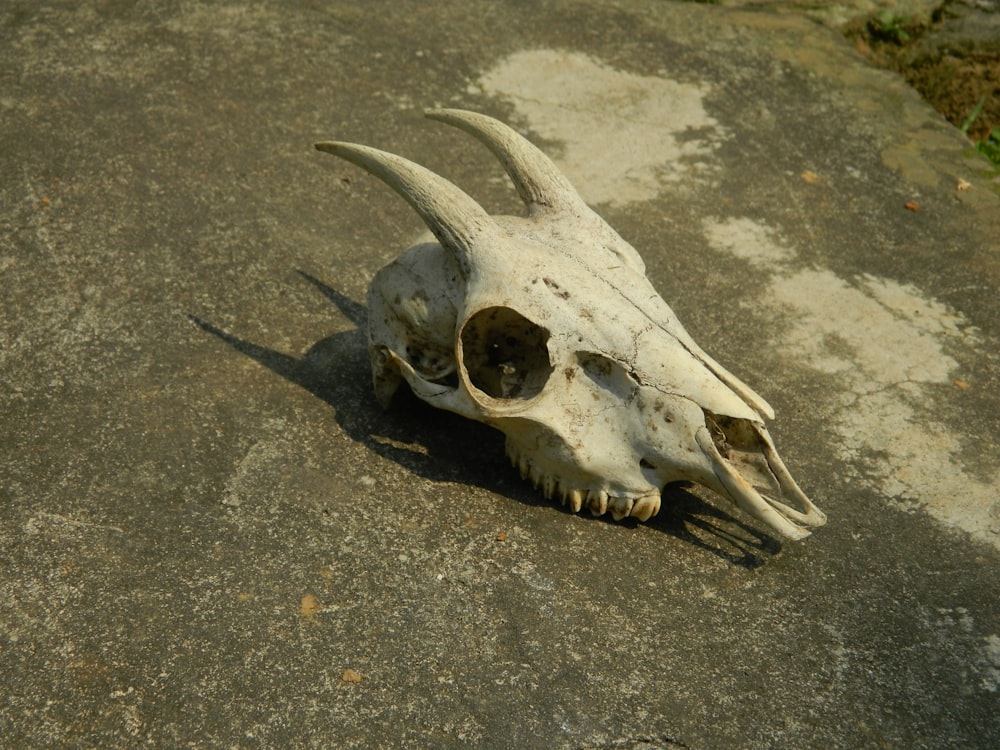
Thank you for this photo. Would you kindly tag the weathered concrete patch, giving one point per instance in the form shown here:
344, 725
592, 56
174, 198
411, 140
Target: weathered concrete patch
991, 657
624, 136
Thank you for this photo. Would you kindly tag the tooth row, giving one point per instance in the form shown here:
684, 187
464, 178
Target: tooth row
646, 507
598, 501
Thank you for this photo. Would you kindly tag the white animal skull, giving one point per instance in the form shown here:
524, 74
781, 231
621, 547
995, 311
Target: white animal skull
546, 328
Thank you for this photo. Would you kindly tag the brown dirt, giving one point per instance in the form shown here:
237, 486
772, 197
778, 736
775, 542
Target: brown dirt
952, 81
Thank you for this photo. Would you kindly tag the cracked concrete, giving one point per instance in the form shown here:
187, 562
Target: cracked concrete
210, 534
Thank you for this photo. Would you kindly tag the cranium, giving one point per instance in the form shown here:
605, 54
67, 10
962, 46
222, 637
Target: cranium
546, 328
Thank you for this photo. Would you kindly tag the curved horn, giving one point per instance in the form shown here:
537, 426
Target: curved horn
538, 181
458, 222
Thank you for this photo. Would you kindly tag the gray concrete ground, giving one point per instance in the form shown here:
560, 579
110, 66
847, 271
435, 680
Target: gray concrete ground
212, 537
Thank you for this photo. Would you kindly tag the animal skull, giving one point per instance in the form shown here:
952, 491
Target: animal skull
547, 328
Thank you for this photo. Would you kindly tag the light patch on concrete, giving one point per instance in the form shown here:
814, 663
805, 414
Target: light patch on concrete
624, 137
257, 468
991, 657
982, 672
887, 345
748, 240
845, 327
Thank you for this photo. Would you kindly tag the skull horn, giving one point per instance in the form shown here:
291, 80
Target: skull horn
458, 222
538, 181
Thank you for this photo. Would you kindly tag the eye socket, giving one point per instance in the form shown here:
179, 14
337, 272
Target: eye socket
505, 354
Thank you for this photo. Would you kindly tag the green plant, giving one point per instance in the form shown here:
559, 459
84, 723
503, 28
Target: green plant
888, 27
973, 115
990, 146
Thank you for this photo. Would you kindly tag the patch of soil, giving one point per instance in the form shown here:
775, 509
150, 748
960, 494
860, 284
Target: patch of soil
954, 86
953, 70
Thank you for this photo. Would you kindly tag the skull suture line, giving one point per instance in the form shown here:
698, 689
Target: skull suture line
547, 328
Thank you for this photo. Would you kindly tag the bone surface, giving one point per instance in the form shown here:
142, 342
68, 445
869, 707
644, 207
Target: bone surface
546, 328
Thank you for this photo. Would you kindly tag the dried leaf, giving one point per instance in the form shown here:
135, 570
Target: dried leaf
352, 677
308, 606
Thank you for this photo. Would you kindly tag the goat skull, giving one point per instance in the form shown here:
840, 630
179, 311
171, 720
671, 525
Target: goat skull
547, 328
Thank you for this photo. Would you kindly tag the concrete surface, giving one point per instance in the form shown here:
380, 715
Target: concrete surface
210, 535
837, 14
